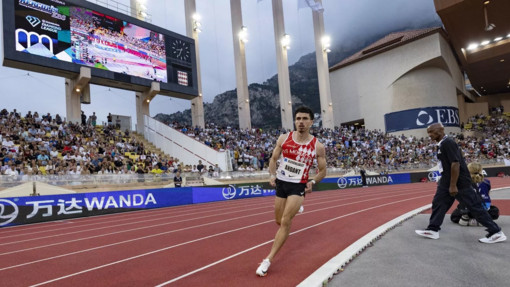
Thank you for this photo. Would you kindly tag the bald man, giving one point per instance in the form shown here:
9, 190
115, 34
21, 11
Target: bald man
455, 183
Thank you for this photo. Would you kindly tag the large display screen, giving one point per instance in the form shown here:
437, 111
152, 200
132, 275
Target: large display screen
84, 34
52, 29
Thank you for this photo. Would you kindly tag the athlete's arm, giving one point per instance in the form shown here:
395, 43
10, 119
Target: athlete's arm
321, 165
274, 157
321, 162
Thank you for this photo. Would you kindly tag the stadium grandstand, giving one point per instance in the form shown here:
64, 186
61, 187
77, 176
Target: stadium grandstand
87, 204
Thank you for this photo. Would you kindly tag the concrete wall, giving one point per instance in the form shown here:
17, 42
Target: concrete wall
422, 73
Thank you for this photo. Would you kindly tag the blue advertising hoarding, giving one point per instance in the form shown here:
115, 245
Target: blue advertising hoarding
355, 181
421, 118
208, 194
32, 209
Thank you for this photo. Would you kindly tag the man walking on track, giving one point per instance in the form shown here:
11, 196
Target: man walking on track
296, 152
455, 183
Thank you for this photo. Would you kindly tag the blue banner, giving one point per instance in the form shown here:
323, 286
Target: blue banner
32, 209
23, 210
208, 194
421, 118
355, 181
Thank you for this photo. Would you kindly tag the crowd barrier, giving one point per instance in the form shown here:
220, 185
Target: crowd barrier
32, 209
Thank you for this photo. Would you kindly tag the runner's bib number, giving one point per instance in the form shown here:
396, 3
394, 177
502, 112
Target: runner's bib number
292, 168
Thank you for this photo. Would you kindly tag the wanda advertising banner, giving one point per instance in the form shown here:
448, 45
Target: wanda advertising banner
32, 209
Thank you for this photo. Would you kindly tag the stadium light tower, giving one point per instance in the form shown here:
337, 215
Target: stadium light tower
322, 48
139, 9
193, 27
240, 34
283, 65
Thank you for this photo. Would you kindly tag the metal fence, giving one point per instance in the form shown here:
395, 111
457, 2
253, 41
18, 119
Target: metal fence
96, 180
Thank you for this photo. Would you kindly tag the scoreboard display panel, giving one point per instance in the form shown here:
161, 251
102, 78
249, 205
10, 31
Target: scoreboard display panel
58, 37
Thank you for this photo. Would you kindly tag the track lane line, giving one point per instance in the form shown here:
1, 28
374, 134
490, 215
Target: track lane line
182, 229
168, 223
156, 219
215, 235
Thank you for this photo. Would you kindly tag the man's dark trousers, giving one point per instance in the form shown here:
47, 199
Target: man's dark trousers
467, 196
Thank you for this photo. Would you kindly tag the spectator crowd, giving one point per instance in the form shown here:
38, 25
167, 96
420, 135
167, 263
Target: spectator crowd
46, 145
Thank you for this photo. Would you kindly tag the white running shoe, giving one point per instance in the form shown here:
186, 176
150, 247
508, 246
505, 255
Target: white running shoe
473, 222
428, 233
301, 209
262, 270
494, 238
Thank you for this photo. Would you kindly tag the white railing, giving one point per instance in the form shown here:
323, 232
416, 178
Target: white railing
7, 181
185, 148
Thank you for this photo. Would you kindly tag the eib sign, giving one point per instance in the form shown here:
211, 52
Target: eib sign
421, 118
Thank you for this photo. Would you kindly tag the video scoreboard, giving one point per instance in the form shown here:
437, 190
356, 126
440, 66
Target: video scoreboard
57, 37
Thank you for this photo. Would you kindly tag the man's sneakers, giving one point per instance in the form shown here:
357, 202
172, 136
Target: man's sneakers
494, 238
301, 209
262, 270
428, 233
490, 238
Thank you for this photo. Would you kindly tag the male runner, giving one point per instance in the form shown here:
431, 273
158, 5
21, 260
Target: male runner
296, 152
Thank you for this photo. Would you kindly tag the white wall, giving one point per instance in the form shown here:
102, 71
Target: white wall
186, 149
422, 73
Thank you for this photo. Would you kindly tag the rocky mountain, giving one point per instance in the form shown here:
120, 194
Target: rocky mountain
264, 100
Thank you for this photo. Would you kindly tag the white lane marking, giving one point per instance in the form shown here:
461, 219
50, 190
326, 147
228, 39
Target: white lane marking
111, 222
214, 235
329, 268
292, 233
150, 220
149, 253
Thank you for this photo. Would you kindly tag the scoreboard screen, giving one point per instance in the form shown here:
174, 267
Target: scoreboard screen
57, 37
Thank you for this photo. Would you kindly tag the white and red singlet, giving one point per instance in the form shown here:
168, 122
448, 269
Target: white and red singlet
296, 160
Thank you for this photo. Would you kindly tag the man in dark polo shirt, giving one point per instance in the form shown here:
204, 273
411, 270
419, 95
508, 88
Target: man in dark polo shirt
455, 183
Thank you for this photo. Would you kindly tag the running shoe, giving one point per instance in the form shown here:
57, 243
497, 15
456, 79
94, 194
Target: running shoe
464, 220
428, 233
473, 222
301, 209
262, 270
494, 238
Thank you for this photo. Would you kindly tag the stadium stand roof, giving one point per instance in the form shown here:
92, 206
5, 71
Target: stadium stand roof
389, 42
466, 23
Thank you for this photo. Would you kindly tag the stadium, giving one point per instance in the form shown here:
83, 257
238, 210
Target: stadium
86, 200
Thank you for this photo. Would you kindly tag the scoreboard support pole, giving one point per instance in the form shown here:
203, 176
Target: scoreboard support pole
143, 100
77, 91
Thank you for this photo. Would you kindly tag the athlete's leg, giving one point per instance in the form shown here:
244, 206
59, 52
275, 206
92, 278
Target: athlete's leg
279, 207
292, 205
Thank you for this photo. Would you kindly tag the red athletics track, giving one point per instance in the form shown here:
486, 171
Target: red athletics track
216, 244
